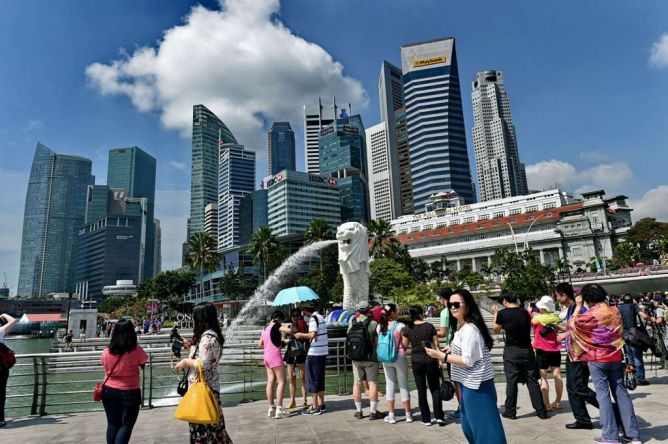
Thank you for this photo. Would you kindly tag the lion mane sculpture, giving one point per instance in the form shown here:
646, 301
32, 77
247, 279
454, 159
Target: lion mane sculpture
354, 263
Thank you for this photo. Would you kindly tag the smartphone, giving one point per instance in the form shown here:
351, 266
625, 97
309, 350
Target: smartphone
427, 344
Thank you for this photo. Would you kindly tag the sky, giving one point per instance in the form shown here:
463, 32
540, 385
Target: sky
586, 82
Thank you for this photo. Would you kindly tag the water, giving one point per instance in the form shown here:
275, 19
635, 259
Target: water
275, 282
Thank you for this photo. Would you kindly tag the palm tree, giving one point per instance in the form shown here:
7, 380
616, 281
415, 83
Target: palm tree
202, 255
318, 230
263, 246
380, 231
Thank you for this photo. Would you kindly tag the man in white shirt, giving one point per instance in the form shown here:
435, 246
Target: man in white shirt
316, 359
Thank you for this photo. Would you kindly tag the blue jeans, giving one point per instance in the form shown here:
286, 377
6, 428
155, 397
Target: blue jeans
607, 378
122, 409
481, 422
635, 358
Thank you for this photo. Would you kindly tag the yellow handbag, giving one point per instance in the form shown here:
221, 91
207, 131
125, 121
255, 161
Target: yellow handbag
199, 405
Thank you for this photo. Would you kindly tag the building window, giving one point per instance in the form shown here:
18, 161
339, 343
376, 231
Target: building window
515, 211
532, 208
499, 215
483, 217
576, 251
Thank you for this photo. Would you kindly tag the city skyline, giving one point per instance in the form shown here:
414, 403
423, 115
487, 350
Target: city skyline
569, 131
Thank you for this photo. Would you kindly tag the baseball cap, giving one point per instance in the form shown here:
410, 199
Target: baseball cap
363, 307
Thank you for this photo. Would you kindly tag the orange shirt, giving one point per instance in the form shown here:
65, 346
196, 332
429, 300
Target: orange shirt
126, 373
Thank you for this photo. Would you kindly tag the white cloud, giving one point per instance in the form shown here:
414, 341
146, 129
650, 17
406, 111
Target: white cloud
241, 62
612, 177
654, 203
594, 156
179, 165
659, 56
33, 125
172, 207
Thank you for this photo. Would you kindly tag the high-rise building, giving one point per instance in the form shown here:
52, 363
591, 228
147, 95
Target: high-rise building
404, 159
211, 220
383, 197
343, 157
281, 148
391, 94
435, 121
316, 119
208, 130
252, 214
157, 256
236, 180
55, 209
296, 198
184, 246
500, 172
112, 247
133, 169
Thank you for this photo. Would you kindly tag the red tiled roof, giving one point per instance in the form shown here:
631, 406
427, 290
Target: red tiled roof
49, 317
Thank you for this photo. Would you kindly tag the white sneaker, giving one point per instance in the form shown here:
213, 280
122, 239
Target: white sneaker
281, 413
409, 419
390, 419
271, 411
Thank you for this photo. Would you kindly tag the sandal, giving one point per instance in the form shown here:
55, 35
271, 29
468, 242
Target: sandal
556, 405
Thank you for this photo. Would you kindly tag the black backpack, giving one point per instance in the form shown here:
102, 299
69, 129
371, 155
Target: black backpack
358, 342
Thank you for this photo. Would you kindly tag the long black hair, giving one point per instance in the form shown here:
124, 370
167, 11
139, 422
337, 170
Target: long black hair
123, 337
278, 316
474, 316
205, 317
384, 318
415, 312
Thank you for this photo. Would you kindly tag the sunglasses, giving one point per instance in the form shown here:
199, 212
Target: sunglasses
455, 305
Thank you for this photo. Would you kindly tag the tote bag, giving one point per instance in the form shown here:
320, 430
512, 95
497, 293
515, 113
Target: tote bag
199, 405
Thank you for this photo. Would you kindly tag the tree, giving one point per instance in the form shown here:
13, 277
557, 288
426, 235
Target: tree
388, 275
236, 283
647, 235
419, 269
466, 277
439, 270
167, 287
380, 232
319, 230
523, 273
398, 252
202, 256
624, 255
419, 294
266, 250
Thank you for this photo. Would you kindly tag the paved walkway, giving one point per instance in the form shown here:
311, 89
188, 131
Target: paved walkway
247, 423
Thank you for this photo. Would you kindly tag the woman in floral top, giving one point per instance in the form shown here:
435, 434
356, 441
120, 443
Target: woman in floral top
207, 347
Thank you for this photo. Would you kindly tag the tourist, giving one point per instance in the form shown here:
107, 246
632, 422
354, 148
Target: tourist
82, 334
519, 361
177, 344
548, 350
207, 348
420, 335
631, 312
362, 340
68, 339
296, 363
446, 331
271, 342
6, 325
596, 338
121, 394
473, 370
577, 373
396, 373
316, 359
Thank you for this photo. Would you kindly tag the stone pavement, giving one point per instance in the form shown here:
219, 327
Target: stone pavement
248, 423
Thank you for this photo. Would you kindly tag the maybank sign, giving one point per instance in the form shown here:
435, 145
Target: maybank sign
430, 61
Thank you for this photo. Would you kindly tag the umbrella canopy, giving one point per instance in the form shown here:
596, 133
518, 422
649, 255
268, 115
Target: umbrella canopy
294, 295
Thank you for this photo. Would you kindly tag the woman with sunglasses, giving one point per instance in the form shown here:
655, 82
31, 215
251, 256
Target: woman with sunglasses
472, 369
297, 325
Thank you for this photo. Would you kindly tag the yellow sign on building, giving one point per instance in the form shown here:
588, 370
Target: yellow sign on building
429, 61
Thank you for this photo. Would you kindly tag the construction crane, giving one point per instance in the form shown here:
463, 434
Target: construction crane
4, 284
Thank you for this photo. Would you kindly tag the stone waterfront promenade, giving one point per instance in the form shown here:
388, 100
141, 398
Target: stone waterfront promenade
248, 423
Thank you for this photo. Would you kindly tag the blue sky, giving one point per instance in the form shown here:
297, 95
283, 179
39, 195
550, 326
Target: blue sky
586, 82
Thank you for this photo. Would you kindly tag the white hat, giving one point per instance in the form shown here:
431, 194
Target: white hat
546, 303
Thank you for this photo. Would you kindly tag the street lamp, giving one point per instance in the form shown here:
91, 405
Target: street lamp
514, 240
69, 304
526, 237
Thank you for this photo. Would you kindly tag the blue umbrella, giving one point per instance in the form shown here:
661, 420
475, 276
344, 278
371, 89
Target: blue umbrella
294, 295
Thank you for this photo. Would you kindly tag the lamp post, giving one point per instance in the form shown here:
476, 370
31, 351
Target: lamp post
69, 304
514, 240
526, 237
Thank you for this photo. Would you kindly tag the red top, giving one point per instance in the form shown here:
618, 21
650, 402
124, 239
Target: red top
126, 374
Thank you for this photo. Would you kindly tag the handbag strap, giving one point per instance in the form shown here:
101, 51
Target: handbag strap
112, 369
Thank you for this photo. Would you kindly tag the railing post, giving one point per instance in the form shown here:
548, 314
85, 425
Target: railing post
143, 386
35, 388
42, 406
150, 380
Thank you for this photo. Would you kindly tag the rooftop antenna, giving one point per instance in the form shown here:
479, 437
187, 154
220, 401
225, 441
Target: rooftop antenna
335, 108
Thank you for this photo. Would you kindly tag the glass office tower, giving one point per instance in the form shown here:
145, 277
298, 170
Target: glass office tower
236, 180
281, 148
55, 209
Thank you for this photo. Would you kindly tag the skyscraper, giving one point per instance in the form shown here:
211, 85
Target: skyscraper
55, 208
391, 94
316, 119
133, 169
500, 172
208, 130
384, 199
404, 158
236, 180
435, 121
281, 148
343, 157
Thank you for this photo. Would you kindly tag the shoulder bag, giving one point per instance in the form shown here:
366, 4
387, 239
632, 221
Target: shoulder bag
99, 387
199, 405
630, 380
447, 388
7, 357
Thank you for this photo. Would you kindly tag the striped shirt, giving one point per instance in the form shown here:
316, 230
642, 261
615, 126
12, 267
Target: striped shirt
470, 345
319, 345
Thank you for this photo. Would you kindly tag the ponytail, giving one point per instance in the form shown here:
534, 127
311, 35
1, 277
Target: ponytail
415, 312
384, 318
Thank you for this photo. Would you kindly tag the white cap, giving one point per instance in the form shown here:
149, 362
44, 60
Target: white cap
546, 303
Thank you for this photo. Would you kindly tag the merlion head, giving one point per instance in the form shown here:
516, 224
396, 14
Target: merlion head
353, 246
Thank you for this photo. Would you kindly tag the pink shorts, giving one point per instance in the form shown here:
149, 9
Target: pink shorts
273, 359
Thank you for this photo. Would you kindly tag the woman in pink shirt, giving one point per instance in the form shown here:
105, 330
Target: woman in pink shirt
122, 395
548, 349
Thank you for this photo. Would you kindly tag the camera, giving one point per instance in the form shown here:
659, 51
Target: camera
548, 329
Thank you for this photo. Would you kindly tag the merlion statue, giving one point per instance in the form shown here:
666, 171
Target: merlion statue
354, 263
